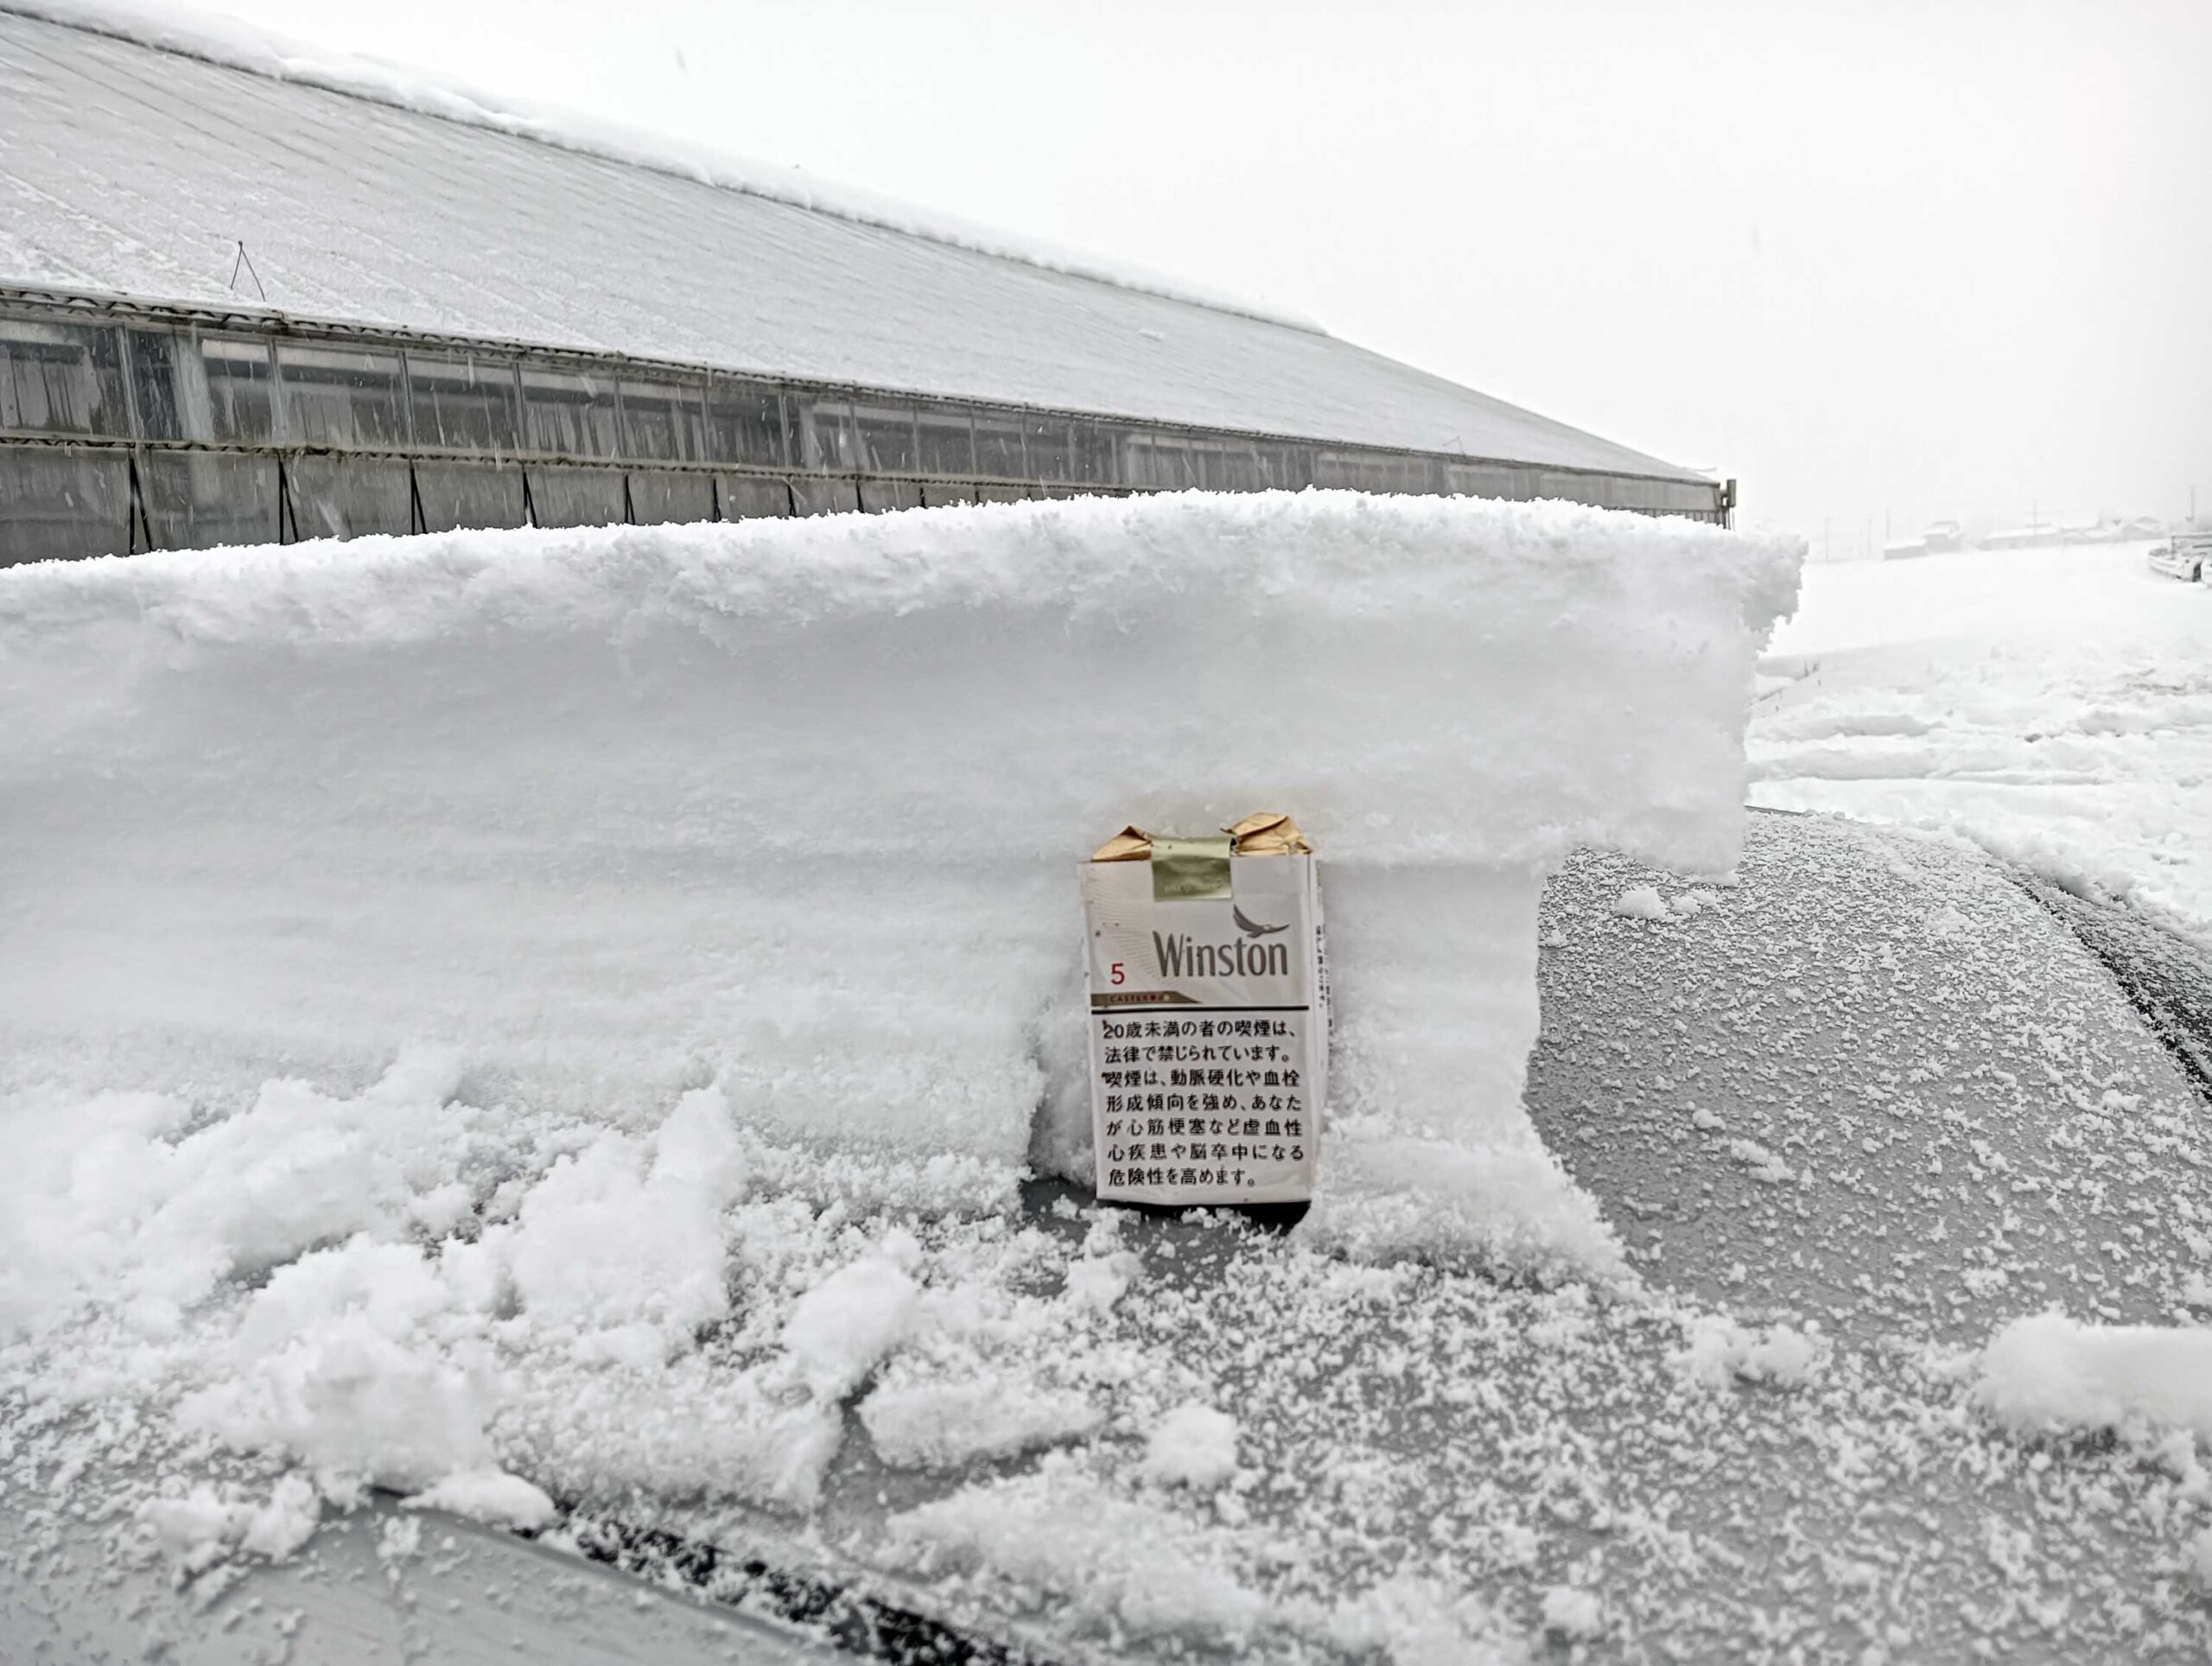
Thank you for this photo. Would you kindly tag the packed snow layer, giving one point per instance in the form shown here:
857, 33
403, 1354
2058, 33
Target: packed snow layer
2053, 705
510, 1017
793, 808
2050, 1373
136, 170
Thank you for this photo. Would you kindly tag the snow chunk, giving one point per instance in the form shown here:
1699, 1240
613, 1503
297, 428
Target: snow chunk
206, 1525
1110, 1559
841, 1329
491, 1495
1194, 1444
946, 1425
1641, 902
625, 1237
2048, 1372
1569, 1612
1762, 1163
1718, 1349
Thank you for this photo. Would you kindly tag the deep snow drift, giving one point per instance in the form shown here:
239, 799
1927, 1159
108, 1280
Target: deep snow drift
2053, 705
475, 1006
792, 810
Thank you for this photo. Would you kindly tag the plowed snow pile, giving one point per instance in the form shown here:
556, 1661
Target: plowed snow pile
478, 1003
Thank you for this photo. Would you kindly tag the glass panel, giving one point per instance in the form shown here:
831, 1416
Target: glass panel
342, 397
1482, 481
346, 497
658, 498
661, 420
824, 497
946, 443
158, 389
1336, 468
470, 494
197, 499
58, 504
240, 388
878, 497
825, 435
576, 496
1096, 461
885, 435
746, 422
749, 496
568, 414
1227, 468
998, 447
1287, 467
62, 378
1162, 462
463, 403
1050, 455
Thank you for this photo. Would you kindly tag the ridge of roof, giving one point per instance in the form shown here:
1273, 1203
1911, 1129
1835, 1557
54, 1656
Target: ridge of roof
232, 43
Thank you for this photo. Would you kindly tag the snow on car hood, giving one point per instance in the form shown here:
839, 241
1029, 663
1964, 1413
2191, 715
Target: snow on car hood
491, 1013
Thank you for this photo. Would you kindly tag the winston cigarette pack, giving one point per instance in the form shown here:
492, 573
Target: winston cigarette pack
1208, 1015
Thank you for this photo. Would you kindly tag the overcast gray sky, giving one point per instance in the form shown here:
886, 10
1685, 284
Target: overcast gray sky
1872, 259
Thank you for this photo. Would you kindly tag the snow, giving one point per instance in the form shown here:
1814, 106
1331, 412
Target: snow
2048, 1372
230, 41
1640, 902
842, 1328
1192, 1446
1572, 1614
984, 1413
489, 1496
2054, 706
505, 1016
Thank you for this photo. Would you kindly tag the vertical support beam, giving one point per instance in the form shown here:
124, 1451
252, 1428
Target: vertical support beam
138, 532
288, 524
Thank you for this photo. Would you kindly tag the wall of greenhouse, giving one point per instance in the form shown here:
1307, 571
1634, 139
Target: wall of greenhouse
126, 428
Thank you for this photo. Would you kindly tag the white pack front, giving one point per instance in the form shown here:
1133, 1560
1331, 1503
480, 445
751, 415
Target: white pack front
1209, 1016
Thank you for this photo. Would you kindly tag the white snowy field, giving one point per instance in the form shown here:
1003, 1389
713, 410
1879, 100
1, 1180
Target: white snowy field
2054, 706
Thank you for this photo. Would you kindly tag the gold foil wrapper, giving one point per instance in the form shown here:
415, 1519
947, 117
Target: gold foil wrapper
1268, 834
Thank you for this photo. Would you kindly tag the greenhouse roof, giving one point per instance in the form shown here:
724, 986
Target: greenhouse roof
142, 152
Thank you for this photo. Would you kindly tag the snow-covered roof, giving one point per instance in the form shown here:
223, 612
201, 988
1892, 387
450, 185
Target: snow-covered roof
140, 149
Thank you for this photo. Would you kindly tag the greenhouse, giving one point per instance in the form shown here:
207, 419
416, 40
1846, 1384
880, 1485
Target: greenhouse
419, 313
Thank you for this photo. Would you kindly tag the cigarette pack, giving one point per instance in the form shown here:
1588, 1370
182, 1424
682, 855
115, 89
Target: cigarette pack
1209, 1014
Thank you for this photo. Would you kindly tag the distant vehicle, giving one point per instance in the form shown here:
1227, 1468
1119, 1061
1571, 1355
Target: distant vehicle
1906, 548
1942, 537
2186, 556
